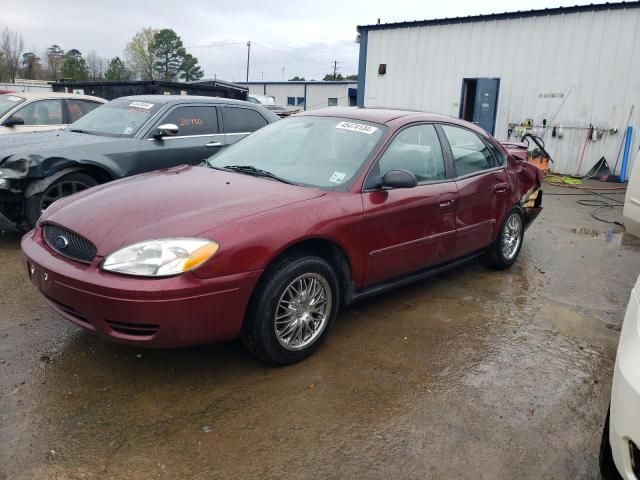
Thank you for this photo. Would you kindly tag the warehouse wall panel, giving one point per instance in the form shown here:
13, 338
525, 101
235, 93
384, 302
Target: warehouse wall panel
587, 61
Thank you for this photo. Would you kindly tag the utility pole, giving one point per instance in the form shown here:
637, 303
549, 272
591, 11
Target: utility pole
335, 69
283, 74
248, 57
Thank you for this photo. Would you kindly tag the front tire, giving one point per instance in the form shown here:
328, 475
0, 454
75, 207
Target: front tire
63, 187
506, 248
292, 310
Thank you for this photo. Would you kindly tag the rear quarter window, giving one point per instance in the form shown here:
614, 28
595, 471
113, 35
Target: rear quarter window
241, 120
79, 108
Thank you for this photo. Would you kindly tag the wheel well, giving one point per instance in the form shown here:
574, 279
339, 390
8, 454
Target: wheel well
99, 174
329, 251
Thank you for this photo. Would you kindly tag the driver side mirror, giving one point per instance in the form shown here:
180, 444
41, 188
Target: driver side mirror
14, 120
166, 130
399, 179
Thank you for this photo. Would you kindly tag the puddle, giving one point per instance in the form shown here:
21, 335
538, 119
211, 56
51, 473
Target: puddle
611, 236
591, 232
570, 323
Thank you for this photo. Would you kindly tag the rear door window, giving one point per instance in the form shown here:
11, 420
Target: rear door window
241, 120
196, 120
79, 108
470, 153
41, 112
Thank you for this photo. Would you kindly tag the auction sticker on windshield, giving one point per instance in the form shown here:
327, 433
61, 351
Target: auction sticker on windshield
11, 98
356, 127
142, 105
337, 177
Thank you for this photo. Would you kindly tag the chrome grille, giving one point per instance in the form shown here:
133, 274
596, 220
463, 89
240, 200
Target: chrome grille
69, 244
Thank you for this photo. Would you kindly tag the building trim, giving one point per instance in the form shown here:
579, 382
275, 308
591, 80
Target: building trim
319, 82
362, 68
500, 16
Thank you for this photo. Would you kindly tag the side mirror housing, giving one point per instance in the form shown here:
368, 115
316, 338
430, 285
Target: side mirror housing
14, 120
166, 130
399, 179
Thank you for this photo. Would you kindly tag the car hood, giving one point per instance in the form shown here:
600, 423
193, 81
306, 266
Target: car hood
179, 202
31, 143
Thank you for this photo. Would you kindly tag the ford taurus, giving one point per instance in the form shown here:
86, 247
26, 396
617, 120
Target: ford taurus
279, 231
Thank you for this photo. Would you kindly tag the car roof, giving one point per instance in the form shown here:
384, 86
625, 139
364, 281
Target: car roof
41, 95
387, 115
163, 99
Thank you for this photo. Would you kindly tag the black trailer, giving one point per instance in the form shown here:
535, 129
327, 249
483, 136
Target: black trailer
114, 89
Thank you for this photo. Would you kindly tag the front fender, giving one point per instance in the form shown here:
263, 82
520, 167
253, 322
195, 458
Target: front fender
39, 186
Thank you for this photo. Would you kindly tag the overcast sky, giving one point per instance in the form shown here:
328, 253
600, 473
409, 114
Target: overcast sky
303, 36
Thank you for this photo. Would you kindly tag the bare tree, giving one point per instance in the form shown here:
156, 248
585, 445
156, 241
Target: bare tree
140, 54
12, 46
95, 64
55, 59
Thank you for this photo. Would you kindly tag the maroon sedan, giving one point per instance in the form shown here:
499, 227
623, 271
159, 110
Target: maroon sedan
277, 232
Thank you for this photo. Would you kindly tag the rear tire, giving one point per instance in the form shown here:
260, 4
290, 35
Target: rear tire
63, 187
608, 468
292, 309
505, 249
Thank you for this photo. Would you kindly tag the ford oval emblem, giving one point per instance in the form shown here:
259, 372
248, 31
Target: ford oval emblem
61, 242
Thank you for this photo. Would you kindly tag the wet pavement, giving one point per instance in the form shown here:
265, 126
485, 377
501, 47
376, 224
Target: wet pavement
472, 374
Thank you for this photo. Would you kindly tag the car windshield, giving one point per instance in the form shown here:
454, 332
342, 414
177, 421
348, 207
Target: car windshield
321, 152
7, 102
118, 118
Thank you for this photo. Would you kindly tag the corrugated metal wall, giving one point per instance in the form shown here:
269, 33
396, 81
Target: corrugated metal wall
591, 58
318, 94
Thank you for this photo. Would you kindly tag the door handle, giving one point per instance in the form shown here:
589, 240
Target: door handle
214, 144
447, 199
500, 188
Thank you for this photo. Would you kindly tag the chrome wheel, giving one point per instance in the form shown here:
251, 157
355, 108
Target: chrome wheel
511, 236
303, 311
60, 190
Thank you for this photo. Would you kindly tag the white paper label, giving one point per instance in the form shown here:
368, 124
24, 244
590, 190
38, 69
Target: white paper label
143, 105
128, 130
337, 177
357, 127
11, 98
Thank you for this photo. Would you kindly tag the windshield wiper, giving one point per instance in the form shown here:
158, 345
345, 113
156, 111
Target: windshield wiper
257, 172
77, 130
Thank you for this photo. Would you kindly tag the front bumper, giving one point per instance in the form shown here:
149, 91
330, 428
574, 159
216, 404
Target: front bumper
625, 393
170, 312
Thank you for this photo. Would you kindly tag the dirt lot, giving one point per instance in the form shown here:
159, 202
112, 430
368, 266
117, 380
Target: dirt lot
472, 374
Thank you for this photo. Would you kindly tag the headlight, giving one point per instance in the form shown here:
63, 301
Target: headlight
161, 258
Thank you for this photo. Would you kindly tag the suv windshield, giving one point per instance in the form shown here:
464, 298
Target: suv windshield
118, 118
321, 152
7, 102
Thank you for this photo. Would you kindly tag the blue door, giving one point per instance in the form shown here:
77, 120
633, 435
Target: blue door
486, 103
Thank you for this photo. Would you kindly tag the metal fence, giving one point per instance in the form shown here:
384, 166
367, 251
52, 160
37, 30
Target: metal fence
26, 87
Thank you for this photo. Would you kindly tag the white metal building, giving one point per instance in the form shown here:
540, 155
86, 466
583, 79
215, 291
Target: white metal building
569, 67
307, 95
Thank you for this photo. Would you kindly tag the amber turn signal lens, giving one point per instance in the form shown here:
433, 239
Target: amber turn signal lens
199, 256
